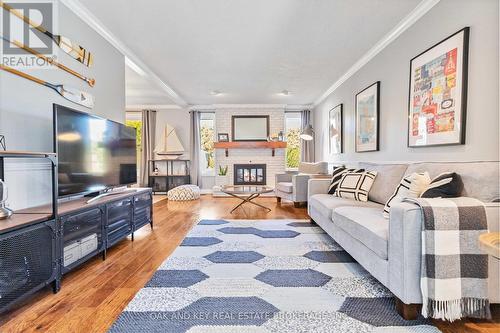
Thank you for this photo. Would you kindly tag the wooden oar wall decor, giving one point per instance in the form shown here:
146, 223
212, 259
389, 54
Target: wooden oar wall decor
90, 82
72, 49
71, 94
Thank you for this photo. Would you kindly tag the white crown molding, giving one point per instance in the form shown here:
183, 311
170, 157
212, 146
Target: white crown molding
298, 107
82, 12
140, 107
202, 107
249, 106
286, 107
420, 10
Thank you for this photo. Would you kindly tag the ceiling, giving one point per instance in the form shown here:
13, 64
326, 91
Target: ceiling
141, 91
250, 50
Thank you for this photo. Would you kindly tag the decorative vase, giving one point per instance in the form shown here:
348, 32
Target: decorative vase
222, 180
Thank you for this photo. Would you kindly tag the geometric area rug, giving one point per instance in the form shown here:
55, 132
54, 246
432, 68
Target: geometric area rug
261, 277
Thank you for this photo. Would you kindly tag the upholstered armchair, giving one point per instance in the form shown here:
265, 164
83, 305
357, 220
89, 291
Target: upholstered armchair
293, 185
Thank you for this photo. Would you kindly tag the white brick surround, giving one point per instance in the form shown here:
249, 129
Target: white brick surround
274, 164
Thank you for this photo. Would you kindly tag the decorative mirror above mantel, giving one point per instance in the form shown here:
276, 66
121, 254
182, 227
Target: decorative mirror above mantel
249, 128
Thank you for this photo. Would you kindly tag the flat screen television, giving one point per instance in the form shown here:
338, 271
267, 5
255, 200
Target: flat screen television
94, 154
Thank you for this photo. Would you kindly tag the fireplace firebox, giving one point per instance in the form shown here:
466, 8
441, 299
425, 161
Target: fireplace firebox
249, 174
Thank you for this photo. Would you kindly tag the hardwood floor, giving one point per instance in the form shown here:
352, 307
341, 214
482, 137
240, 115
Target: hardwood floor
93, 295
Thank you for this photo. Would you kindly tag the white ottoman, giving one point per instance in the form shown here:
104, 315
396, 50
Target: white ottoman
184, 193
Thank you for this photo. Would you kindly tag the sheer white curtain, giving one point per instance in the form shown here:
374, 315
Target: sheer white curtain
147, 144
306, 147
195, 147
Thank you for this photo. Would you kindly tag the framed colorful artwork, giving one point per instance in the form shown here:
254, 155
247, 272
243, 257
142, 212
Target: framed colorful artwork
367, 118
336, 130
438, 93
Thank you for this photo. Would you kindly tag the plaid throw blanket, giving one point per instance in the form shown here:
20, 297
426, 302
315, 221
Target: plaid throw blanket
454, 278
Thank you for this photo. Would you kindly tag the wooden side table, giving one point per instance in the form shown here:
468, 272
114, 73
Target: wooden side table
490, 243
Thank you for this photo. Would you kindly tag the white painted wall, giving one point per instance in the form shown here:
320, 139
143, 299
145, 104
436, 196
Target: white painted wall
178, 119
26, 107
275, 164
391, 67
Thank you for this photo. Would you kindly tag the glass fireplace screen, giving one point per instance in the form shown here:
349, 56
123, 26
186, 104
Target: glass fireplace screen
249, 174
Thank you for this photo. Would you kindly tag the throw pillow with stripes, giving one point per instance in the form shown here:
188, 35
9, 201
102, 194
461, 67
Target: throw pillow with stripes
337, 174
445, 185
356, 185
410, 186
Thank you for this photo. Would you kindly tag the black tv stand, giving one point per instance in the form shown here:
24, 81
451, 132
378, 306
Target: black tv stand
97, 196
58, 245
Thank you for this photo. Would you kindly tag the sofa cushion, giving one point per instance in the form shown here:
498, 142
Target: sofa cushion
365, 224
319, 168
481, 179
446, 185
286, 187
338, 173
326, 203
356, 185
411, 186
388, 178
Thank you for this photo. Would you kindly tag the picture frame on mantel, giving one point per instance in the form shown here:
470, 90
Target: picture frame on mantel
336, 130
367, 103
222, 137
437, 99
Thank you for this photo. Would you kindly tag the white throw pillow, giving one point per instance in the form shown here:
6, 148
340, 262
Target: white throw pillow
356, 185
410, 186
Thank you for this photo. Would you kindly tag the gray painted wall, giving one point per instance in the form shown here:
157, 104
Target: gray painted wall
391, 67
26, 107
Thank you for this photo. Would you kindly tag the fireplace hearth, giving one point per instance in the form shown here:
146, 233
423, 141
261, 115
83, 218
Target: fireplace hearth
249, 174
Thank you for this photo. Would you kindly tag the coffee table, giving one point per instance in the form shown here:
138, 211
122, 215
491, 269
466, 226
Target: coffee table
246, 193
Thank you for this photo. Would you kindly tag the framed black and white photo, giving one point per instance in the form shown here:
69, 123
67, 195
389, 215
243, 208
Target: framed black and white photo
438, 93
367, 104
223, 137
336, 130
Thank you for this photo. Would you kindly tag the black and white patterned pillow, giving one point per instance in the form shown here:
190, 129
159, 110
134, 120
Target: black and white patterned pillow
410, 186
356, 185
445, 185
337, 174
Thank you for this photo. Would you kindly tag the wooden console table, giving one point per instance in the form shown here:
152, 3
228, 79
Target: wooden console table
490, 243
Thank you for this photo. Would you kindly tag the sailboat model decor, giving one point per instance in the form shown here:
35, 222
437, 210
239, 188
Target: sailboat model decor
170, 147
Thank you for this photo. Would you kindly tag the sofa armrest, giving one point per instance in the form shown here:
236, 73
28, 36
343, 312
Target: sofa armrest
317, 186
284, 177
405, 252
299, 183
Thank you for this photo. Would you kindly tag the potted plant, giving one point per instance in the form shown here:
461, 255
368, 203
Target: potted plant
222, 176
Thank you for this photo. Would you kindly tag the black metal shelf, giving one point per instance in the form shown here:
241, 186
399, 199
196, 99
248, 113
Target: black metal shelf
32, 229
171, 180
52, 157
26, 154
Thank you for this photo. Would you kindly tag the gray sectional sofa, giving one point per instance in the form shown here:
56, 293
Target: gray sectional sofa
390, 249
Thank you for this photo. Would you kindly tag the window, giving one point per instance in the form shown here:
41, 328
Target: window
133, 119
292, 136
207, 138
